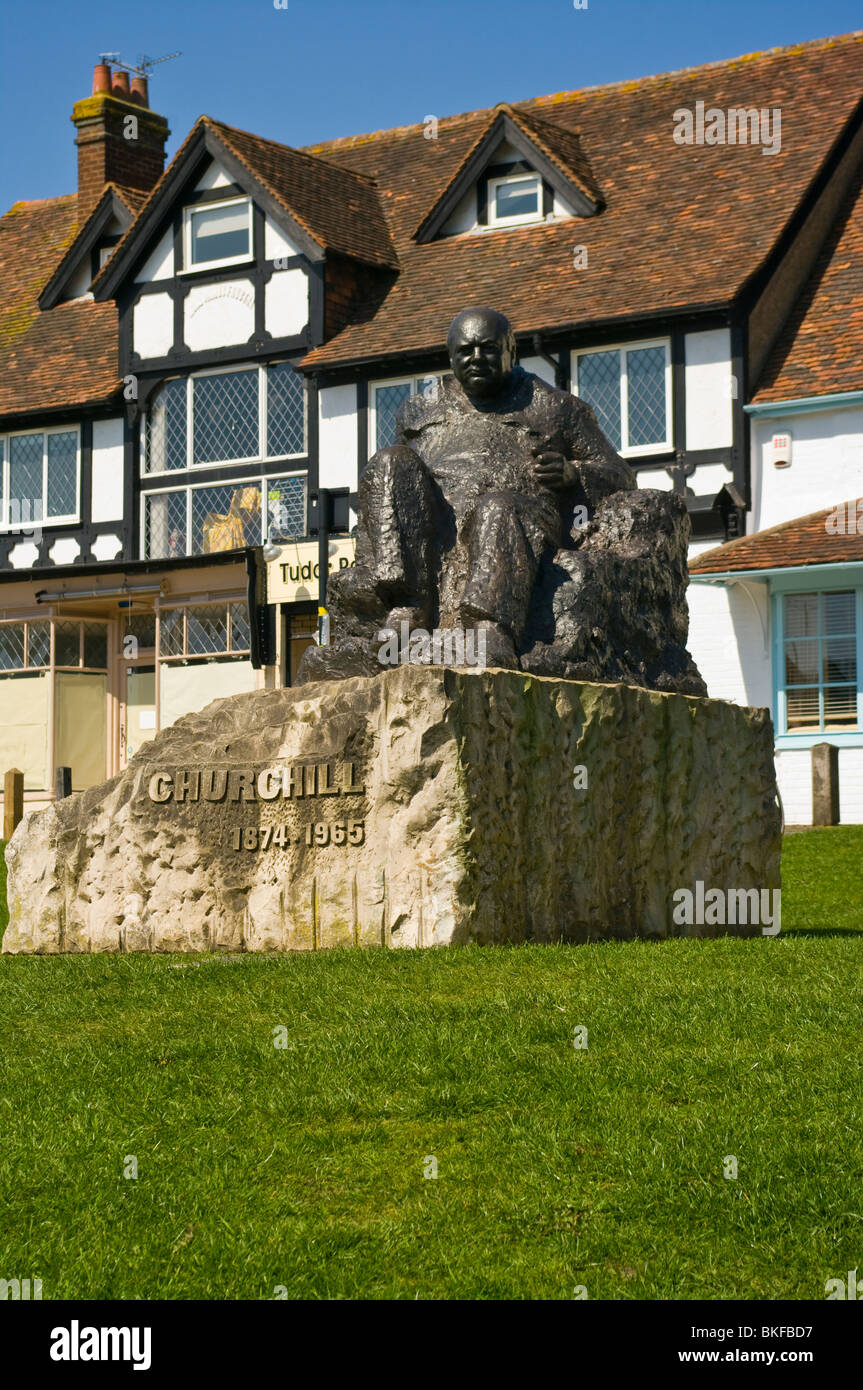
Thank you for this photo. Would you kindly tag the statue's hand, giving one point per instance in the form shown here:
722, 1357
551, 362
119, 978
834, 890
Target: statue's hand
553, 471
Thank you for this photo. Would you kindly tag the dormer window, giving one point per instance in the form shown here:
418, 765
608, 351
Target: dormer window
217, 234
514, 198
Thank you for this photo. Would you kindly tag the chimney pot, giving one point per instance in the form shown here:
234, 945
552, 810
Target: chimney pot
106, 153
101, 78
139, 91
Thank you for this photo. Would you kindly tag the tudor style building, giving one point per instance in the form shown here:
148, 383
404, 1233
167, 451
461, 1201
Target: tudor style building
197, 363
777, 615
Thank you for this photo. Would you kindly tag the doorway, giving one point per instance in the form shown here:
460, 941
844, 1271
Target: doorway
137, 708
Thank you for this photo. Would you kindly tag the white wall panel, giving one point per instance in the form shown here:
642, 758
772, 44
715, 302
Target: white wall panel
729, 638
794, 775
159, 265
286, 311
213, 176
826, 464
276, 242
220, 315
106, 502
337, 436
708, 389
850, 786
539, 367
153, 325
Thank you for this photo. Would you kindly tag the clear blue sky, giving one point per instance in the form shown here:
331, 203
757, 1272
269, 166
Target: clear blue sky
322, 68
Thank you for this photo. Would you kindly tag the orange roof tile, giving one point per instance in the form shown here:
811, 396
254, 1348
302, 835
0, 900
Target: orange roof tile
804, 541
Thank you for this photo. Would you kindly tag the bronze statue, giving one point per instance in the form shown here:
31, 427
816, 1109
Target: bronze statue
503, 509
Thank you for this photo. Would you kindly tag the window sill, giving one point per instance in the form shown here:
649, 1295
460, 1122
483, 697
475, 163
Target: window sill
785, 743
215, 265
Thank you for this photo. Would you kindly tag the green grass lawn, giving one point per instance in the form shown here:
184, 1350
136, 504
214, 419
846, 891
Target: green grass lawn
303, 1166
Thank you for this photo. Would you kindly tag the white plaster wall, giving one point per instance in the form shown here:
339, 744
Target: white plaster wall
24, 555
539, 367
159, 265
707, 480
729, 638
708, 389
337, 436
560, 207
463, 217
655, 478
81, 279
286, 303
153, 325
106, 546
219, 315
64, 551
826, 464
213, 176
106, 503
794, 776
276, 243
850, 785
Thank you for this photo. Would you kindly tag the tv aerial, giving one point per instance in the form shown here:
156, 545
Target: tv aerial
143, 66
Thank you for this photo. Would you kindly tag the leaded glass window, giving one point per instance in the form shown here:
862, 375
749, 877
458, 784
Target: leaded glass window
12, 646
165, 523
286, 508
387, 398
225, 421
165, 429
286, 411
62, 474
42, 478
200, 630
629, 389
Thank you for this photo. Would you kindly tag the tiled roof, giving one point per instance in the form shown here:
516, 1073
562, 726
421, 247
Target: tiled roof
134, 198
803, 541
684, 226
339, 207
820, 349
563, 147
67, 355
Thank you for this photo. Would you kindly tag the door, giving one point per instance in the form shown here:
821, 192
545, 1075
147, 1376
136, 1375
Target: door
137, 709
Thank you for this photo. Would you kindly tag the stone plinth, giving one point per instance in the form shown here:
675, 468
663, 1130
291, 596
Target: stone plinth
421, 807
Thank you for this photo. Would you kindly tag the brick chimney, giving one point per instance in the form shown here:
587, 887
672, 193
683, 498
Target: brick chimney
120, 140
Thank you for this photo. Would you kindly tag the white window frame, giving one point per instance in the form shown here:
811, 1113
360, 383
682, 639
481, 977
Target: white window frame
24, 526
520, 219
261, 479
375, 386
844, 735
189, 266
626, 450
261, 457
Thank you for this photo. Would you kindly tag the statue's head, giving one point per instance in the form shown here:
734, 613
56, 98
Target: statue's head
481, 347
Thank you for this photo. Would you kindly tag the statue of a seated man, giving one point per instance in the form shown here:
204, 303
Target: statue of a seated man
503, 510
